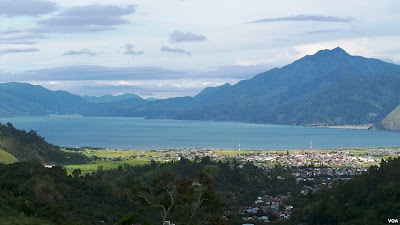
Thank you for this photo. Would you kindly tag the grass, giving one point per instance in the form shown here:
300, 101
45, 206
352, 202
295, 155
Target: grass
107, 165
232, 152
391, 121
7, 158
117, 153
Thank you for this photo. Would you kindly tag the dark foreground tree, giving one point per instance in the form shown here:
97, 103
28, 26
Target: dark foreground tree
182, 201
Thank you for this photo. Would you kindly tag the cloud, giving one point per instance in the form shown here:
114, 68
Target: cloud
145, 81
95, 73
90, 18
129, 50
82, 52
23, 49
13, 35
17, 42
180, 36
13, 8
325, 31
175, 50
236, 71
314, 18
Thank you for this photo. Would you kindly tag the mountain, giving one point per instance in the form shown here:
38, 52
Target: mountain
19, 145
151, 99
111, 98
330, 87
390, 122
21, 99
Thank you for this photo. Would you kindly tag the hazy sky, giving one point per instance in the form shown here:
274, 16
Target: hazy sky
165, 48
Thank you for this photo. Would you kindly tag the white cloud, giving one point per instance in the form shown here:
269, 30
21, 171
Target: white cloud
175, 50
82, 52
13, 8
179, 36
90, 18
17, 49
129, 50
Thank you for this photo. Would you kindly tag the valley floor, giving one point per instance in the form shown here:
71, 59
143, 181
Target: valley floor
341, 158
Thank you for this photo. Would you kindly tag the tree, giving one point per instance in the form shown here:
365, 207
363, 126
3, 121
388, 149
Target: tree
132, 218
76, 173
182, 200
204, 198
160, 194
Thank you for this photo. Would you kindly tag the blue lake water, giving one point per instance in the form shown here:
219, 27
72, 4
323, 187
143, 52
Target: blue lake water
138, 133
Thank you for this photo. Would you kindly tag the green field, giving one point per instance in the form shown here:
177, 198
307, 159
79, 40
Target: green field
118, 153
231, 152
109, 157
107, 165
7, 158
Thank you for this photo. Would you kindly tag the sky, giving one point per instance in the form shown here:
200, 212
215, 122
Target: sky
170, 48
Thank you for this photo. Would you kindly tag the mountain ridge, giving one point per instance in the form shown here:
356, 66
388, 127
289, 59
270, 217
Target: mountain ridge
19, 145
330, 87
111, 98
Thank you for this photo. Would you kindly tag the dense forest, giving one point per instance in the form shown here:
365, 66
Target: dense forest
29, 146
181, 191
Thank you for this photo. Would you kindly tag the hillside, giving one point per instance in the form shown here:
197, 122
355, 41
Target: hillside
7, 158
390, 122
21, 99
28, 146
110, 98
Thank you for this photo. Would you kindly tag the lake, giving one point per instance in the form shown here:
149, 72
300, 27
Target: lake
139, 133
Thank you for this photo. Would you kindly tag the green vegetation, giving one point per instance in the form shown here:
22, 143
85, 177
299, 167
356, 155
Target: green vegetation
23, 220
7, 158
117, 153
128, 187
33, 194
105, 165
49, 196
231, 152
371, 198
29, 146
390, 122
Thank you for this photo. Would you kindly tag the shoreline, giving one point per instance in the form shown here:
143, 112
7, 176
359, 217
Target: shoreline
114, 150
351, 127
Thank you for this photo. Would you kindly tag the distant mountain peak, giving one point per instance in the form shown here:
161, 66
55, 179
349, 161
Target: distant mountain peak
339, 49
332, 52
